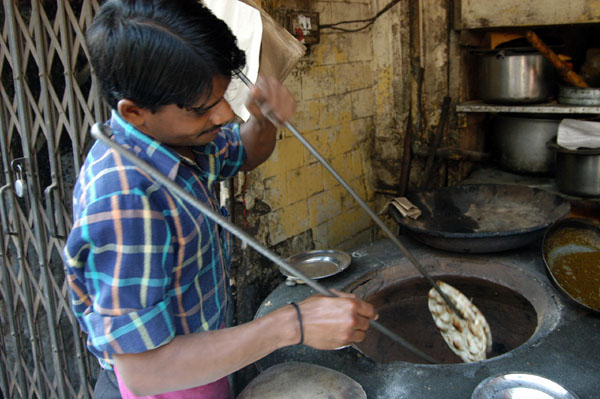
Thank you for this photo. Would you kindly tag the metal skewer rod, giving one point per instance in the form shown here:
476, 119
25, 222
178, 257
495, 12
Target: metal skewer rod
350, 190
103, 133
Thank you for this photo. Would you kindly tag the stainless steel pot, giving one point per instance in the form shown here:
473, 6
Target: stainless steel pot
519, 143
577, 171
515, 78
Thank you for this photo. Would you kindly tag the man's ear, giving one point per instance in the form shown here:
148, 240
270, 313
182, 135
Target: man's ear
131, 112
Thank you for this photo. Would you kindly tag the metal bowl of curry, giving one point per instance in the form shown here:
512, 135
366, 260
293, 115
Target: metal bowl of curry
571, 251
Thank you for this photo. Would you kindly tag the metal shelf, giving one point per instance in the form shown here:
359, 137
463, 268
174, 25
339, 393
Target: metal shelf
546, 108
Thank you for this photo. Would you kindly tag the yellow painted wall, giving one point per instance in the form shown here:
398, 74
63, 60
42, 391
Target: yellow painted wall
333, 86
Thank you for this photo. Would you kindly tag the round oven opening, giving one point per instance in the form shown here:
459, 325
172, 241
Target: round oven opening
403, 308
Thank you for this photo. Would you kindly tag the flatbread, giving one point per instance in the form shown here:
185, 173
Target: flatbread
470, 338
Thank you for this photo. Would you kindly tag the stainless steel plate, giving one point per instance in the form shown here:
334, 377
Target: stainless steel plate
520, 386
319, 263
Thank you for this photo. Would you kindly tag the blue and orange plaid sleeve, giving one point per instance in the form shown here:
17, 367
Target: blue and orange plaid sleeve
120, 259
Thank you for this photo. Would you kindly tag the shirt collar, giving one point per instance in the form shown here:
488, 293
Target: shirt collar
163, 158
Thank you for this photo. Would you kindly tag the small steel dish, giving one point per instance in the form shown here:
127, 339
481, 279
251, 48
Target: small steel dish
319, 263
520, 386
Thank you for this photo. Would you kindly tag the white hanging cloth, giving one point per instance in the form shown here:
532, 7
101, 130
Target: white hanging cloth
245, 23
574, 134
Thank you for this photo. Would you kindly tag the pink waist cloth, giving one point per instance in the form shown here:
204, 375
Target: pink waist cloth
219, 389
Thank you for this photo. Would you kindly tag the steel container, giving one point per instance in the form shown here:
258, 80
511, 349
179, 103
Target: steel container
515, 78
577, 171
519, 143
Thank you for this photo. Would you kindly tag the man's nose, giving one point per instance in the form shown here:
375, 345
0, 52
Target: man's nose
221, 113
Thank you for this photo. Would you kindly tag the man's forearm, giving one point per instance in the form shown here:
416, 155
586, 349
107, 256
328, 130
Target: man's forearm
198, 359
258, 137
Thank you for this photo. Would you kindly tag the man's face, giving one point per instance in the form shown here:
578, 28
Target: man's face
185, 127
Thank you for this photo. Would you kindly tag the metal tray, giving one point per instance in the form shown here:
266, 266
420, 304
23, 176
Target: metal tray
319, 263
520, 385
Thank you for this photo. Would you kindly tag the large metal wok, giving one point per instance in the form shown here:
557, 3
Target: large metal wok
571, 251
482, 218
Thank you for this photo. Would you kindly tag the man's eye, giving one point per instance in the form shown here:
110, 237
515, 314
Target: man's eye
200, 111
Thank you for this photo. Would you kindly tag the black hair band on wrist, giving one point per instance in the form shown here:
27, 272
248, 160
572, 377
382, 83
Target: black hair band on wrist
295, 305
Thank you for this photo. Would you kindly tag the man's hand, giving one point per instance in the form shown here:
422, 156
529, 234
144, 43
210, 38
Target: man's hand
271, 100
270, 105
330, 323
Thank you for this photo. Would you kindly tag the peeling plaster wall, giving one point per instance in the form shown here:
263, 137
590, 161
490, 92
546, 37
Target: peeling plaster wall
333, 87
426, 26
390, 35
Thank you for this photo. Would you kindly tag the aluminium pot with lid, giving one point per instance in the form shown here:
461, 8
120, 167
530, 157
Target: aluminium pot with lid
515, 77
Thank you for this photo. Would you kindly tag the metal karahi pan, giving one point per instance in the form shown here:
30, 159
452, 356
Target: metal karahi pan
571, 251
482, 218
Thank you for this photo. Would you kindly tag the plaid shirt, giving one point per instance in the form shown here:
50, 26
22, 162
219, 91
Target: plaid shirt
143, 265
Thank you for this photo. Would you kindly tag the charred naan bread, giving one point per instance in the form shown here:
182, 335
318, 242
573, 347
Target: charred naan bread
469, 338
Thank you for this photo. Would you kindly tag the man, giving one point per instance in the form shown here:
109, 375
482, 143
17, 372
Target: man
148, 272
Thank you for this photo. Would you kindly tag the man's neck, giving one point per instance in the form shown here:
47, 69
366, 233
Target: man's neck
184, 151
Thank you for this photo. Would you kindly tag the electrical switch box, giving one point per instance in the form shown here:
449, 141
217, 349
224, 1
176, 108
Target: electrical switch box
303, 24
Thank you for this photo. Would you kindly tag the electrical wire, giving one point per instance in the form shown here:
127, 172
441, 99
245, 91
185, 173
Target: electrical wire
369, 21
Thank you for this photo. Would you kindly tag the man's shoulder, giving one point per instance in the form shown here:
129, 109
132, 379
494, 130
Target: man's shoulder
106, 174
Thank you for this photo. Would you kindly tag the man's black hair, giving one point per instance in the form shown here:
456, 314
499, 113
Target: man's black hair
160, 52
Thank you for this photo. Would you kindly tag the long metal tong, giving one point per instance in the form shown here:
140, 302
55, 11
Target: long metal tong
103, 133
372, 214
